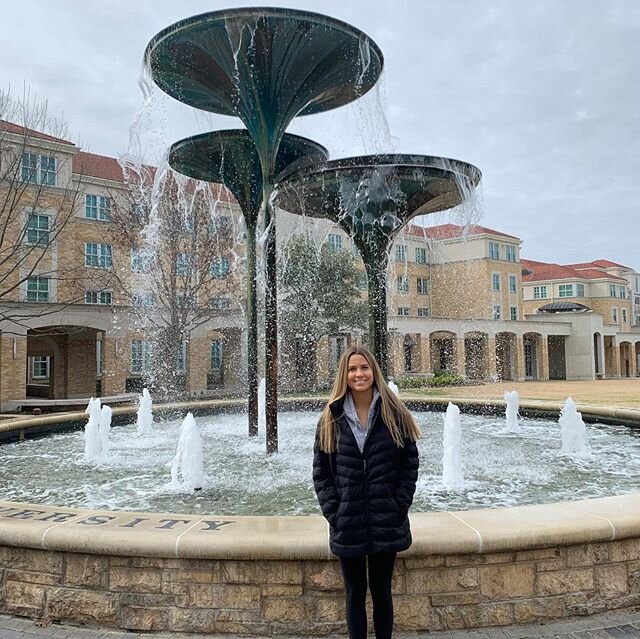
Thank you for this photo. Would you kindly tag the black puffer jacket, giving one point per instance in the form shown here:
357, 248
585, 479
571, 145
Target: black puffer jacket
366, 496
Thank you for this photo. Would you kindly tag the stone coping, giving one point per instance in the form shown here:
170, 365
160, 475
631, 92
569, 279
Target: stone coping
296, 537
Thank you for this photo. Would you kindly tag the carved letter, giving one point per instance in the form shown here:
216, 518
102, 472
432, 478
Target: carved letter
132, 523
172, 522
214, 525
26, 514
58, 517
96, 520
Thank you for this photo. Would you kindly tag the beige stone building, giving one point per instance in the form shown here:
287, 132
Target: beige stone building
80, 311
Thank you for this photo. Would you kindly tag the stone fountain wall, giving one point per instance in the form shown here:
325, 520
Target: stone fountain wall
306, 597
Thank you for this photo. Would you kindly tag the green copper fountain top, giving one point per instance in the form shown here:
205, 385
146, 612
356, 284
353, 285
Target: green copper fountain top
373, 196
230, 158
264, 65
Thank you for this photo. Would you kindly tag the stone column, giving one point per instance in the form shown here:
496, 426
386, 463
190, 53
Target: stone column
633, 361
601, 357
459, 356
60, 368
13, 368
81, 364
615, 359
115, 365
424, 350
492, 369
544, 358
519, 372
198, 355
396, 355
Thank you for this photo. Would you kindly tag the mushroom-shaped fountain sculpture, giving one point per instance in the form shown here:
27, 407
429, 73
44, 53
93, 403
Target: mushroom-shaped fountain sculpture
265, 66
372, 198
230, 158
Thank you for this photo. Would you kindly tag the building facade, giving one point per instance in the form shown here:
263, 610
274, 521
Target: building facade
86, 288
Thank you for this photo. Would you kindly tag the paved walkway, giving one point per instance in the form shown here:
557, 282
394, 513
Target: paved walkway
621, 625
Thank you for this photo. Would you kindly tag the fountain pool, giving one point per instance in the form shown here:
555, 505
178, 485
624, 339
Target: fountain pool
500, 468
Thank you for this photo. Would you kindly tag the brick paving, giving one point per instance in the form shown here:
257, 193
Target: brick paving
620, 625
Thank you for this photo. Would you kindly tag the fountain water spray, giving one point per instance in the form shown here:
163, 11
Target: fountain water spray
92, 445
262, 416
573, 431
511, 397
393, 387
187, 468
145, 413
105, 430
451, 456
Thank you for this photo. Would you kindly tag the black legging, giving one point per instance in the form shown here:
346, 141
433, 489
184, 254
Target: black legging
354, 572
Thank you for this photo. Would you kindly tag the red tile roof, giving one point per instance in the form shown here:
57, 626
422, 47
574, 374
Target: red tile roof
543, 271
100, 166
599, 263
16, 129
450, 231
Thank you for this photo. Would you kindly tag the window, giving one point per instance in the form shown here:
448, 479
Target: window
510, 252
403, 311
513, 312
220, 303
421, 255
47, 170
422, 286
98, 255
623, 292
40, 367
98, 297
579, 290
216, 355
624, 315
141, 261
335, 242
355, 251
424, 312
185, 301
38, 169
360, 280
99, 357
614, 315
494, 251
613, 290
181, 357
140, 356
142, 298
97, 207
402, 284
401, 253
183, 263
539, 292
220, 267
513, 284
38, 289
565, 290
497, 311
495, 281
38, 229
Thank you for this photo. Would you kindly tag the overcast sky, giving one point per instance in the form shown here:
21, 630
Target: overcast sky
543, 96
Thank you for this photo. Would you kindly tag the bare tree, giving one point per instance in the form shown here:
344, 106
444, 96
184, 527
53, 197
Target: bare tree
38, 197
184, 269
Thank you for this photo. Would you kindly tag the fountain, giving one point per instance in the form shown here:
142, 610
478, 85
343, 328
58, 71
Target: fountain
393, 387
511, 397
372, 198
92, 446
187, 469
105, 430
452, 477
145, 413
574, 431
265, 66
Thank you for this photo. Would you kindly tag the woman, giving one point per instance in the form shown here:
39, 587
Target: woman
365, 468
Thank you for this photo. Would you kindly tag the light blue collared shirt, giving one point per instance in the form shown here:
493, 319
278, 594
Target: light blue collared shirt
358, 430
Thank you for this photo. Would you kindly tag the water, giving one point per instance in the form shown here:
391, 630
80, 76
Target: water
92, 442
393, 387
145, 413
499, 469
187, 467
573, 431
452, 477
511, 397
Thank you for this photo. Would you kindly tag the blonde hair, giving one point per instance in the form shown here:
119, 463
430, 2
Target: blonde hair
395, 415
